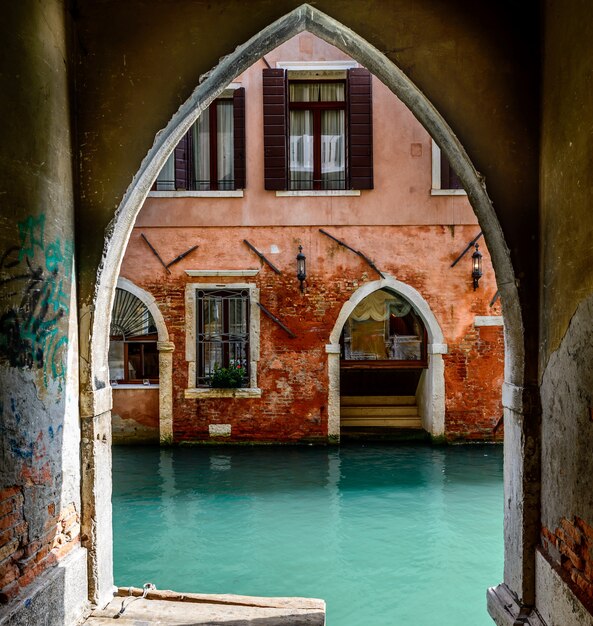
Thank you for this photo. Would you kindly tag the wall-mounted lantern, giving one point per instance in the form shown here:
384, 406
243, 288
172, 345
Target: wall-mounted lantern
301, 260
476, 266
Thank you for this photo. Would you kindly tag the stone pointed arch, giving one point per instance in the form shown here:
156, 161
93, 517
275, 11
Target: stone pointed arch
95, 390
431, 397
213, 83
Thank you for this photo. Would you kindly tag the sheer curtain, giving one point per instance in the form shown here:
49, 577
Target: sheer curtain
165, 181
201, 152
301, 150
333, 154
225, 158
333, 128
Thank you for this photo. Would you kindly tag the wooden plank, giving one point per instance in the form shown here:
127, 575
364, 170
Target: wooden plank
380, 400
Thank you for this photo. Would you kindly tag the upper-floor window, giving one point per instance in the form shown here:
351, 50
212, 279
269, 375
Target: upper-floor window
211, 155
318, 129
444, 179
317, 135
133, 355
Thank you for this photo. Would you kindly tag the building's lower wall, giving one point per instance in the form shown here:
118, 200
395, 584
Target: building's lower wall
474, 371
135, 415
292, 373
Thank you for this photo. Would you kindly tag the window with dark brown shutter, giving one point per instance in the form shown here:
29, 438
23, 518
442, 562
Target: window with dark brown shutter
239, 137
275, 129
318, 133
360, 122
211, 155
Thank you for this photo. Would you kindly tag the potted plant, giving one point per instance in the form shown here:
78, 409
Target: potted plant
227, 377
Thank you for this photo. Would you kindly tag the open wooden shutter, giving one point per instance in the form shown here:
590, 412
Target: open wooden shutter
449, 179
360, 128
275, 129
182, 162
239, 137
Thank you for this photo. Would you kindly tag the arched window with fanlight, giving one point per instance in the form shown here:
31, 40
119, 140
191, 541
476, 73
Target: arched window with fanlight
386, 330
133, 355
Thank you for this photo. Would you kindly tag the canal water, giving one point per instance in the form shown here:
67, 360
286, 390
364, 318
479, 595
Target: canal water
386, 535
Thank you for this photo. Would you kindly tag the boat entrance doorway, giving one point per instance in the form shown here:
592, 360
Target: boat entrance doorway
385, 365
383, 356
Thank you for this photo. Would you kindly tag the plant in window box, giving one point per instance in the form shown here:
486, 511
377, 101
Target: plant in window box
227, 377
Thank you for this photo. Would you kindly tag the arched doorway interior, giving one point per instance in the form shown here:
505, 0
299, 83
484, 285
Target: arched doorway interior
429, 389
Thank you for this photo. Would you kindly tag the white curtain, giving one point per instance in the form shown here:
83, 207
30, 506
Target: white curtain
301, 150
333, 156
165, 181
225, 158
201, 152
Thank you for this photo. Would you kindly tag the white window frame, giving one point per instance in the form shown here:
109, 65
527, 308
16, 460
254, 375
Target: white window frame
253, 391
436, 189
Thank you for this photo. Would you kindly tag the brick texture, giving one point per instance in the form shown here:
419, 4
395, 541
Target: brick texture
570, 548
22, 558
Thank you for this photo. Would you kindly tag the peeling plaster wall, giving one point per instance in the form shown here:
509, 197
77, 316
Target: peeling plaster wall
40, 504
565, 561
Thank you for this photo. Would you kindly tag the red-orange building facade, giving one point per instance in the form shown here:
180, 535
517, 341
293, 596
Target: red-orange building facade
383, 337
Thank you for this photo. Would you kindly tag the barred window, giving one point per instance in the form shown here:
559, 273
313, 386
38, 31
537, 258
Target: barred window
222, 333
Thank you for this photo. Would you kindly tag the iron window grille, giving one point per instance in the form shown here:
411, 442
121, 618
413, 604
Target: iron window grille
222, 333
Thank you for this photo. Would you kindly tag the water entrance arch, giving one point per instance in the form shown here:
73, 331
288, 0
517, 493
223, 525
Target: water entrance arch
431, 394
95, 373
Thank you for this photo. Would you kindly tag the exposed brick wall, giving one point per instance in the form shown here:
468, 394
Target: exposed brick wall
293, 372
23, 558
569, 548
474, 372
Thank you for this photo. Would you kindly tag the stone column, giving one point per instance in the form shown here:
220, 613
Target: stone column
165, 349
333, 394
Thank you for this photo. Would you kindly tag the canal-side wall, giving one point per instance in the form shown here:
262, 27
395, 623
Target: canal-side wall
290, 400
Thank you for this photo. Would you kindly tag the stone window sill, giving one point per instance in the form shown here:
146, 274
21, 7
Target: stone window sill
209, 392
320, 193
236, 193
448, 192
134, 386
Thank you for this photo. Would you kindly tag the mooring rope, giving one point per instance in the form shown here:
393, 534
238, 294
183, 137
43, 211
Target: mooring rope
147, 587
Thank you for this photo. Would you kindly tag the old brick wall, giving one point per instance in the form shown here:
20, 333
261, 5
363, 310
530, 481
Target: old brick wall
23, 557
292, 372
569, 549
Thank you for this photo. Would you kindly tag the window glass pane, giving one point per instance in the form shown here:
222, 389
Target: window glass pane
333, 149
134, 364
212, 308
116, 360
201, 152
237, 317
301, 149
151, 361
165, 181
225, 156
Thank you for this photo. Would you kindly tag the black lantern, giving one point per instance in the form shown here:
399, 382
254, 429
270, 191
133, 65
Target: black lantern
476, 266
301, 260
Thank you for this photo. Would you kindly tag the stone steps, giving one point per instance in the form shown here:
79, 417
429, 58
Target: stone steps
379, 411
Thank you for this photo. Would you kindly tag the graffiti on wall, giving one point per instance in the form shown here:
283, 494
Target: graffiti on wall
35, 278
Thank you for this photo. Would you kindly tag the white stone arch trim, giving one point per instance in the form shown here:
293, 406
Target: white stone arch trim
431, 389
147, 299
165, 349
435, 334
94, 318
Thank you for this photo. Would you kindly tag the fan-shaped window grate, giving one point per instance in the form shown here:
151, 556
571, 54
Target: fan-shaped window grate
130, 317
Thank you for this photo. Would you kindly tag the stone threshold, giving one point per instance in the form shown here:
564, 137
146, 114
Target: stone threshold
195, 609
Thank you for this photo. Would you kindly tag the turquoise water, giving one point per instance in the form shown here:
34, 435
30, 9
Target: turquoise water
386, 535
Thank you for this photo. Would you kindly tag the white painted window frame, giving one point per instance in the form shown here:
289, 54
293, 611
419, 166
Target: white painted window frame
436, 189
253, 391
